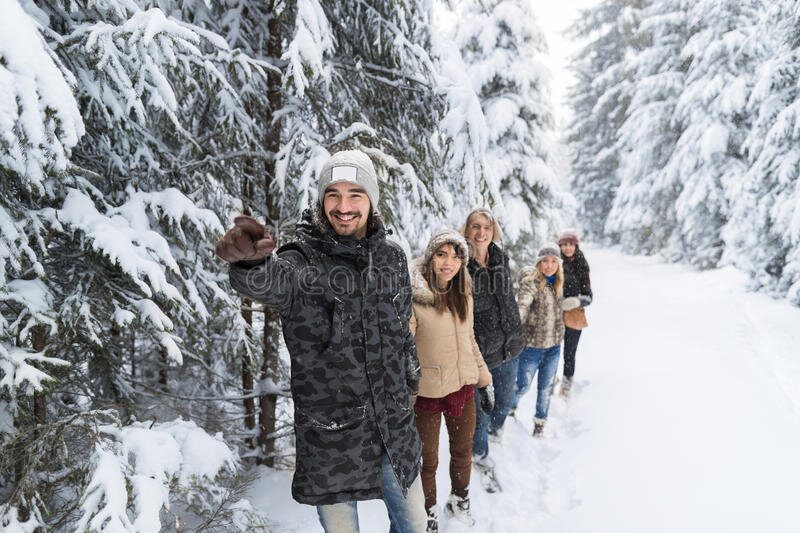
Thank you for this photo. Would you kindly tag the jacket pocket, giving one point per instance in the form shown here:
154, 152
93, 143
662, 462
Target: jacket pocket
431, 379
403, 401
329, 417
337, 320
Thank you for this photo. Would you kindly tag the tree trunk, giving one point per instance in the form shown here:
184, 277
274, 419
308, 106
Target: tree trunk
38, 410
162, 369
247, 373
270, 366
248, 368
268, 402
39, 342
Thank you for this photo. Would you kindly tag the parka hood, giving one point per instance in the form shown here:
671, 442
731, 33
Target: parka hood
421, 292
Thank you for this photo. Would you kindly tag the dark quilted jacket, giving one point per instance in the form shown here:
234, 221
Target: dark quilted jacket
353, 358
576, 276
497, 325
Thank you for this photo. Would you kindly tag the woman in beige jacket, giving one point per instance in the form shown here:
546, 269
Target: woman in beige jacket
451, 365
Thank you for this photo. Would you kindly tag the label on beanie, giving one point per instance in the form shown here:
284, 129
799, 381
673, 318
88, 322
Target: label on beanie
344, 174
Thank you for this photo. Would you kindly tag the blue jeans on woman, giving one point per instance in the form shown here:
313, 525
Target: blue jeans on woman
406, 513
545, 361
504, 379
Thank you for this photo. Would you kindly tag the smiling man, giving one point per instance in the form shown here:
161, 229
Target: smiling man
343, 293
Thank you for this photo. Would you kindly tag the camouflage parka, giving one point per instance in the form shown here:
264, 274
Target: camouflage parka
345, 306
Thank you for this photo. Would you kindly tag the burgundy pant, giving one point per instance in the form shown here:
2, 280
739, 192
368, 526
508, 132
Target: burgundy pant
460, 430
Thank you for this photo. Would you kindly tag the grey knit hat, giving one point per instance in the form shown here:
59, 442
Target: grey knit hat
350, 166
550, 249
447, 236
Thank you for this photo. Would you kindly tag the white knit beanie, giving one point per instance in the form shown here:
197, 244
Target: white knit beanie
350, 166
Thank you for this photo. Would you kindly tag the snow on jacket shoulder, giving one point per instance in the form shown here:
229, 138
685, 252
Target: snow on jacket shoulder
448, 354
540, 313
345, 306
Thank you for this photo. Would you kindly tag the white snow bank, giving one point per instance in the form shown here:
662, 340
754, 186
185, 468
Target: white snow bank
144, 466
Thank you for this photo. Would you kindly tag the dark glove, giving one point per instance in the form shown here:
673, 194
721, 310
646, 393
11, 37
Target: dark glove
247, 240
585, 299
413, 371
486, 395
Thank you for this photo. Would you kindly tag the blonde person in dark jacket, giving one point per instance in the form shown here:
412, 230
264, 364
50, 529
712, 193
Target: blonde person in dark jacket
451, 366
540, 302
497, 331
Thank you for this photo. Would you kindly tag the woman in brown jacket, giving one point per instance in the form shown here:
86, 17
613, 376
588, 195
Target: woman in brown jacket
451, 365
540, 302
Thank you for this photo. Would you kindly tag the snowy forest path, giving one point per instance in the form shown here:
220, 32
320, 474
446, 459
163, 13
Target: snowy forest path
683, 417
687, 425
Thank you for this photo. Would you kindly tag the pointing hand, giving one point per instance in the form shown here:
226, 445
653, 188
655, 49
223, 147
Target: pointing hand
247, 240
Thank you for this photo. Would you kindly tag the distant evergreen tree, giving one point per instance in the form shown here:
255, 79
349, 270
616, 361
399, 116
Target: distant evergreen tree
686, 126
763, 235
642, 216
600, 101
708, 158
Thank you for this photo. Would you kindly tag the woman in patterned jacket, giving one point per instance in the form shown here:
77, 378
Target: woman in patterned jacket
540, 300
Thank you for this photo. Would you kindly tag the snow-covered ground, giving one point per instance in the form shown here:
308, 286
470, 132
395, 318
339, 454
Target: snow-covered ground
685, 417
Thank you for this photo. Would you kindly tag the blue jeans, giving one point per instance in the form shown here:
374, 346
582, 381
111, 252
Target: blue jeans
504, 378
406, 513
545, 360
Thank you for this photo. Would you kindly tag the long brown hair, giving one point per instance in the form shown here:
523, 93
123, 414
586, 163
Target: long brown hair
459, 289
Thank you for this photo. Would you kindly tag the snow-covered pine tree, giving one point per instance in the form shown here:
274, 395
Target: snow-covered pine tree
119, 234
763, 235
162, 122
600, 100
502, 45
642, 216
708, 161
41, 124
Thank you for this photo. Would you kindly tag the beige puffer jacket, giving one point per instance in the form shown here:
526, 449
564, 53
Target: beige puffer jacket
448, 354
541, 314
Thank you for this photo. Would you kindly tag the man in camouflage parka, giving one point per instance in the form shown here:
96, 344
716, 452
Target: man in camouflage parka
343, 294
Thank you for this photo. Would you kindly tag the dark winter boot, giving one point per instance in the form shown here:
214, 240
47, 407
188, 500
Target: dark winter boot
458, 508
538, 427
433, 521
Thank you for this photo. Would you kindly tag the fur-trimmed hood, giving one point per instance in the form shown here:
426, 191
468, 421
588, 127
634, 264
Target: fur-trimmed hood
421, 292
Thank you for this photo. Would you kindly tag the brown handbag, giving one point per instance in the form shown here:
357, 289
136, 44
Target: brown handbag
575, 318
